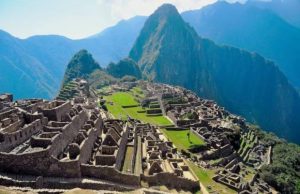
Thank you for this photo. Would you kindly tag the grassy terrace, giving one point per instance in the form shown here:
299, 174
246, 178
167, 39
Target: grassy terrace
205, 176
179, 138
119, 99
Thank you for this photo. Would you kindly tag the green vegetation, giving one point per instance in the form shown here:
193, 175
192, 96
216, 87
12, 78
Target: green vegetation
205, 176
181, 139
123, 99
118, 99
81, 66
68, 91
220, 76
99, 79
138, 92
123, 68
284, 171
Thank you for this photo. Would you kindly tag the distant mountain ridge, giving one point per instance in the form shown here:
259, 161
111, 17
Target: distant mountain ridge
34, 67
251, 28
50, 54
168, 50
287, 9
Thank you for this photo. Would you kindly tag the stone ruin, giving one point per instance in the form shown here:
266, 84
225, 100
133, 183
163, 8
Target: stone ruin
67, 144
221, 132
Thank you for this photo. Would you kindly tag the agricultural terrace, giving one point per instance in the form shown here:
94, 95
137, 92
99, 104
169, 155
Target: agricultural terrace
122, 104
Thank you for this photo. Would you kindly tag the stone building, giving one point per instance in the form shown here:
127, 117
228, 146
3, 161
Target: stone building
73, 143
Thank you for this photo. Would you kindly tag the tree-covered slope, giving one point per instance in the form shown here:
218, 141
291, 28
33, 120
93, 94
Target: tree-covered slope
168, 50
81, 66
124, 67
254, 29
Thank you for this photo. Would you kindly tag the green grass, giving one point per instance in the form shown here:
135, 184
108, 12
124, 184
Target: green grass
137, 92
123, 99
181, 140
205, 177
120, 99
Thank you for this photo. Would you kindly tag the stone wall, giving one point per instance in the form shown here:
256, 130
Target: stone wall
110, 174
171, 181
6, 114
122, 148
154, 111
23, 163
69, 169
69, 132
15, 138
88, 144
60, 183
56, 110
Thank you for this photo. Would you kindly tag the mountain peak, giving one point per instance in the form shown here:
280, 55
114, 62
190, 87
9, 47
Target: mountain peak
164, 25
166, 11
81, 66
166, 8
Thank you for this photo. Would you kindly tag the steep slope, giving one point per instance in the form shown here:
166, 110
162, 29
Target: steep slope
248, 27
168, 50
114, 43
287, 9
34, 67
22, 74
124, 67
81, 66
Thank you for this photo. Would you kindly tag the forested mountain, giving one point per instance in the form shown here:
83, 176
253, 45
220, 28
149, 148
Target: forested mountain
168, 50
251, 28
81, 65
124, 67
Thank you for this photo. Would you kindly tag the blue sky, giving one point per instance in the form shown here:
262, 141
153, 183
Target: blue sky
77, 18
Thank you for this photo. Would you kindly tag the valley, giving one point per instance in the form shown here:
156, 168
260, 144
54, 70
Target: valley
199, 101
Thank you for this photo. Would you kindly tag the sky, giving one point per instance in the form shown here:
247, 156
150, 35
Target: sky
77, 18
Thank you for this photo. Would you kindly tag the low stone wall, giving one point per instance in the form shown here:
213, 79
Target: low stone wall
6, 114
110, 174
22, 163
122, 149
68, 169
69, 132
88, 144
171, 181
131, 106
17, 137
154, 111
38, 182
56, 110
185, 122
176, 129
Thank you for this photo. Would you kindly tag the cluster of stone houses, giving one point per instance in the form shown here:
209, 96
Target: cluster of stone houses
74, 143
222, 132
